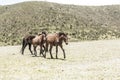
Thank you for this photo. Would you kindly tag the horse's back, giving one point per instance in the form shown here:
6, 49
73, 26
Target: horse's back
29, 37
37, 39
51, 37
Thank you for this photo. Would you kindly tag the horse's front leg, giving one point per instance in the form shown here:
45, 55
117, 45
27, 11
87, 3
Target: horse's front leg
63, 51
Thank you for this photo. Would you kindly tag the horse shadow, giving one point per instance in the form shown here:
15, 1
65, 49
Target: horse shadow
49, 58
36, 56
56, 59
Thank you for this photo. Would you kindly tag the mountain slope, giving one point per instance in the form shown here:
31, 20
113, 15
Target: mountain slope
81, 22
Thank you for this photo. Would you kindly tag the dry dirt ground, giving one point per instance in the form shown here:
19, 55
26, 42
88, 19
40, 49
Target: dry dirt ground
93, 60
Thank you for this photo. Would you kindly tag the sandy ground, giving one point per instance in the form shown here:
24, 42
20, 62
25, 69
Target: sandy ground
94, 60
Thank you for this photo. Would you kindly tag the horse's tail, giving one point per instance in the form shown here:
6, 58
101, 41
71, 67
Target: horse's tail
23, 46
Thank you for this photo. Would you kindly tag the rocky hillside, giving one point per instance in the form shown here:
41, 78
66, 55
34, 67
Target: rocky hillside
81, 22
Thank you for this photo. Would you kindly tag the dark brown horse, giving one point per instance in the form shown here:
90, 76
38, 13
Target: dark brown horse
28, 40
56, 39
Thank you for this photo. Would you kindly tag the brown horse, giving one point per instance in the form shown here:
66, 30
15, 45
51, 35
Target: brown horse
28, 40
56, 39
39, 40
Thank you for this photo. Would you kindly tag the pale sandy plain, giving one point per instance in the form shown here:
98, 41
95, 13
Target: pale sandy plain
89, 60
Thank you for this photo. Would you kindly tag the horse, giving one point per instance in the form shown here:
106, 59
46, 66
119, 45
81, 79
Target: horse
27, 40
56, 39
39, 40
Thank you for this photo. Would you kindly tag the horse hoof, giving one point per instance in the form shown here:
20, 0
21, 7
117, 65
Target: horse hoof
44, 56
64, 57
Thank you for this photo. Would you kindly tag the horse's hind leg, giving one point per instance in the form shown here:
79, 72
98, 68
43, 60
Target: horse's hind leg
41, 50
46, 48
56, 51
51, 51
30, 49
63, 51
23, 47
35, 52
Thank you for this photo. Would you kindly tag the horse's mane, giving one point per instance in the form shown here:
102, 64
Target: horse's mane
42, 33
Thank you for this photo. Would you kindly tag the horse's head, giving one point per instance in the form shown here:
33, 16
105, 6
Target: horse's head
64, 37
44, 35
